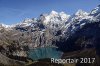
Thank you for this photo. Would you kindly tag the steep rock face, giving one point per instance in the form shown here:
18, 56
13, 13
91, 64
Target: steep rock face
42, 38
86, 37
81, 33
17, 43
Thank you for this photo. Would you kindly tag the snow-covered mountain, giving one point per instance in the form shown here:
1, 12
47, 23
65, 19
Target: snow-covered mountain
59, 20
55, 18
58, 23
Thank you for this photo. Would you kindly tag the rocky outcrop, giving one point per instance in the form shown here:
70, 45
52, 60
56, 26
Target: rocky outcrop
7, 61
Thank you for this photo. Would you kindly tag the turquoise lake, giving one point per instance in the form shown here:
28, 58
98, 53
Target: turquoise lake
44, 52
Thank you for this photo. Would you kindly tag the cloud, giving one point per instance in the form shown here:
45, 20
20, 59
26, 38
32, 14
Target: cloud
10, 12
11, 15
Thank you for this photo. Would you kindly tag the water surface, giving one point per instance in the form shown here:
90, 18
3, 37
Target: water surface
44, 52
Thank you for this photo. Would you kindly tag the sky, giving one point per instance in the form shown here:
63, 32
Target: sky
15, 11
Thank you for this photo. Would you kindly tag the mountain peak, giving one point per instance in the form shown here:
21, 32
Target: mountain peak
7, 27
95, 11
27, 20
54, 12
81, 12
64, 16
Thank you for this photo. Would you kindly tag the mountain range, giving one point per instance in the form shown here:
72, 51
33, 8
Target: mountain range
67, 33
